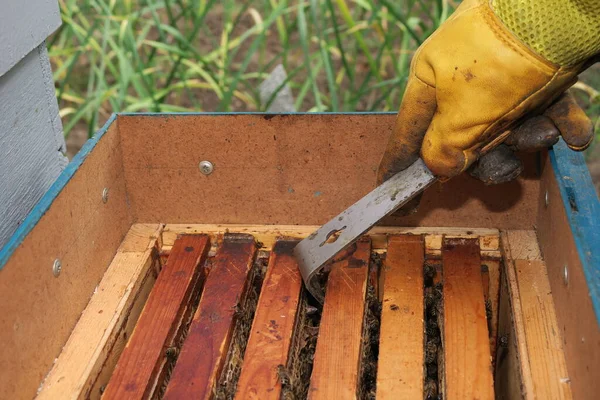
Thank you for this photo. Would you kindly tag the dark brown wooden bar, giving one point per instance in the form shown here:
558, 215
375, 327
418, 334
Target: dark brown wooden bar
273, 327
205, 349
141, 365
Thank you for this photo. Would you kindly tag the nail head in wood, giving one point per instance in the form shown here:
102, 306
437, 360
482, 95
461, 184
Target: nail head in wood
206, 167
566, 274
56, 268
105, 195
546, 199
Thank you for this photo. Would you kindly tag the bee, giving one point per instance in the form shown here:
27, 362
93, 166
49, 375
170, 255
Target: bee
220, 393
432, 370
237, 310
287, 395
172, 352
488, 309
430, 390
432, 329
310, 310
429, 297
432, 311
431, 351
435, 340
429, 272
283, 375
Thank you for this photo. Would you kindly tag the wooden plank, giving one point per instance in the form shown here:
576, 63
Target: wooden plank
576, 315
139, 369
205, 349
337, 355
548, 369
267, 235
545, 366
467, 358
76, 227
522, 245
272, 330
400, 365
100, 334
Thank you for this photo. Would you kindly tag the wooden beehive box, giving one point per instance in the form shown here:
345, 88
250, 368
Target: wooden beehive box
138, 276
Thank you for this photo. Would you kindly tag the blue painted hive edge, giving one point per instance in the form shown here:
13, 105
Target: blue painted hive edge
583, 212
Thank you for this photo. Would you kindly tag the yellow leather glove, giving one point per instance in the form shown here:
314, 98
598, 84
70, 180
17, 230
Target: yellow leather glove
474, 81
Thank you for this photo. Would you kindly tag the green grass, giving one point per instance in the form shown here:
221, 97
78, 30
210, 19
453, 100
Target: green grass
208, 55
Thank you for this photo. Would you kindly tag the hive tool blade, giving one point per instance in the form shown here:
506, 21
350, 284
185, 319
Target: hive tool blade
313, 252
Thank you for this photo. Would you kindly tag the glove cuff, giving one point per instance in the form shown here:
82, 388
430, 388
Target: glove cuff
564, 32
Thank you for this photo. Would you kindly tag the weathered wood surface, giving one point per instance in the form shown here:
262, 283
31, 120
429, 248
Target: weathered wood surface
23, 29
467, 358
337, 356
102, 331
400, 364
273, 326
140, 367
544, 369
205, 348
31, 139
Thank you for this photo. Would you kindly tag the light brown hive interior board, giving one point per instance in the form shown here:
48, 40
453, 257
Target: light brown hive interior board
574, 312
300, 169
541, 358
38, 310
337, 356
467, 358
400, 370
88, 358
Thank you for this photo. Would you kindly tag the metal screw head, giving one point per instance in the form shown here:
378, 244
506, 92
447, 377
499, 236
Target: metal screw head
546, 199
56, 268
566, 274
105, 195
206, 167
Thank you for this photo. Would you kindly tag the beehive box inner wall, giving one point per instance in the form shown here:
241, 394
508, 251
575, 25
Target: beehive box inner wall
291, 169
298, 169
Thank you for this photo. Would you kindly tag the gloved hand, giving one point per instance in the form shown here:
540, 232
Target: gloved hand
491, 74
